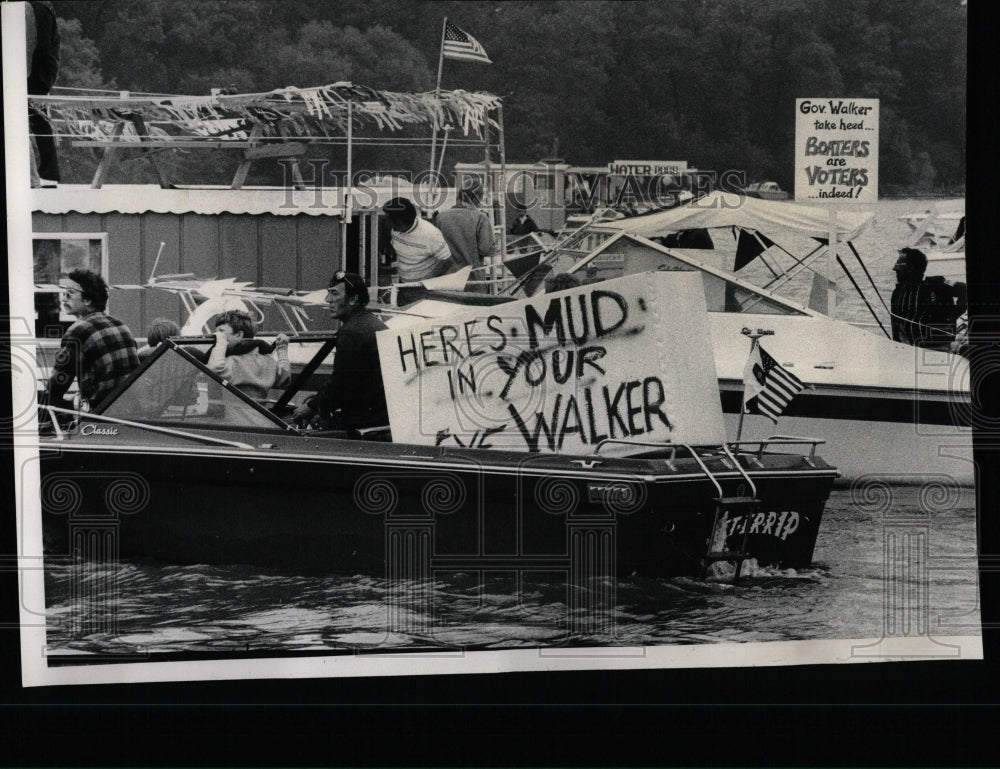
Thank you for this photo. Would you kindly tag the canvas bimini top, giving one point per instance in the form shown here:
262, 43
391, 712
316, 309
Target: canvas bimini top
727, 209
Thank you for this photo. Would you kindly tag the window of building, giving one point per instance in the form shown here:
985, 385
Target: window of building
56, 254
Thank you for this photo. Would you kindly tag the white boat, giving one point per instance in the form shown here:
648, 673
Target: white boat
766, 191
939, 231
884, 408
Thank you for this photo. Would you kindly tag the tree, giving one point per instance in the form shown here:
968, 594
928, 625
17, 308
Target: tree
79, 61
710, 81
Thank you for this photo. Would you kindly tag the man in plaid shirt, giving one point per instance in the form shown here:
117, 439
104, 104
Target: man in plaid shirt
98, 349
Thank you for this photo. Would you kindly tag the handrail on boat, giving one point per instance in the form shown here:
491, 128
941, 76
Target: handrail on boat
782, 440
727, 448
53, 410
673, 456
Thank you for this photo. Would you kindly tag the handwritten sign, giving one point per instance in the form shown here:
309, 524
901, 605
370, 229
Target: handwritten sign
629, 359
836, 149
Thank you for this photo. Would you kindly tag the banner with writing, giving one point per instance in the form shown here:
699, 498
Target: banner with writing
836, 149
629, 358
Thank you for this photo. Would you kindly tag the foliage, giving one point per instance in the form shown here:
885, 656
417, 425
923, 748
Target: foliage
713, 82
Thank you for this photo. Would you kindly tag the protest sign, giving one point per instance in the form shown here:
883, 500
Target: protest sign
836, 149
629, 358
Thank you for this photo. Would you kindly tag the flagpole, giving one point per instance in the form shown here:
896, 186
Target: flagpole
754, 337
437, 98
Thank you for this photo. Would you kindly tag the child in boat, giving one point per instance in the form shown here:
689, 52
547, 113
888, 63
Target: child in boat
245, 362
162, 328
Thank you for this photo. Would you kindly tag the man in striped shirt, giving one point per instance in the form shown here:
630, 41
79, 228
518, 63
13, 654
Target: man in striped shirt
97, 349
421, 250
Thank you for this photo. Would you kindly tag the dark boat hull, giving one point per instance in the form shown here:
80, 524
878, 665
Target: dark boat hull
412, 511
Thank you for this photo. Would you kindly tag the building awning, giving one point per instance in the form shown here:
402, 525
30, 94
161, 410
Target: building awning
277, 201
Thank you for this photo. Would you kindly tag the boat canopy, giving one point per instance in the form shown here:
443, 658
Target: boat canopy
729, 209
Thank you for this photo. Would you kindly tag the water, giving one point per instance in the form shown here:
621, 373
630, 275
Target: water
208, 610
853, 589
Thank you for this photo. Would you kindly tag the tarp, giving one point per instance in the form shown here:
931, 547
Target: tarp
728, 209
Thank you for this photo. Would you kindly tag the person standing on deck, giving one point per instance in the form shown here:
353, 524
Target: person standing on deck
421, 250
353, 398
97, 349
468, 232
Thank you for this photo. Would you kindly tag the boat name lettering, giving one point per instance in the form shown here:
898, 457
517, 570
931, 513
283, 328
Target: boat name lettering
614, 493
98, 430
773, 523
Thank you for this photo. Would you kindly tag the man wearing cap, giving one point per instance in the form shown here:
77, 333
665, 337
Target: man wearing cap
468, 232
421, 250
98, 348
353, 399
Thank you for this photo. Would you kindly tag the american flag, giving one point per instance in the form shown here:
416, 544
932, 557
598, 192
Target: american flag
767, 387
461, 45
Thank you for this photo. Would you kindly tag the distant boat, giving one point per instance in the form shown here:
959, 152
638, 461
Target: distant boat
765, 191
940, 233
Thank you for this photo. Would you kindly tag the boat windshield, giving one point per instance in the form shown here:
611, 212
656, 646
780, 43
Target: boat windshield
174, 389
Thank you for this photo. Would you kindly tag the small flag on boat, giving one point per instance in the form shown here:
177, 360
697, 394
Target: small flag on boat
461, 45
767, 387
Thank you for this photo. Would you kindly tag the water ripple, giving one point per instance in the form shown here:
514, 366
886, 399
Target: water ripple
165, 608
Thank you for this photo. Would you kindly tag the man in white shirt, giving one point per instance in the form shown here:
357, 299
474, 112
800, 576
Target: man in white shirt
421, 250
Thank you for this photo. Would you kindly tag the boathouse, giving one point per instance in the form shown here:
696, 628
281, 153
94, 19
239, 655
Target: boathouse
276, 237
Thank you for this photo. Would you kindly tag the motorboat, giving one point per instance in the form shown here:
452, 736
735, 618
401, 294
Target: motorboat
765, 191
180, 465
939, 231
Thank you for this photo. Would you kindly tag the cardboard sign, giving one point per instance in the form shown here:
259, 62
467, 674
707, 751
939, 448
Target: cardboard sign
629, 359
836, 149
